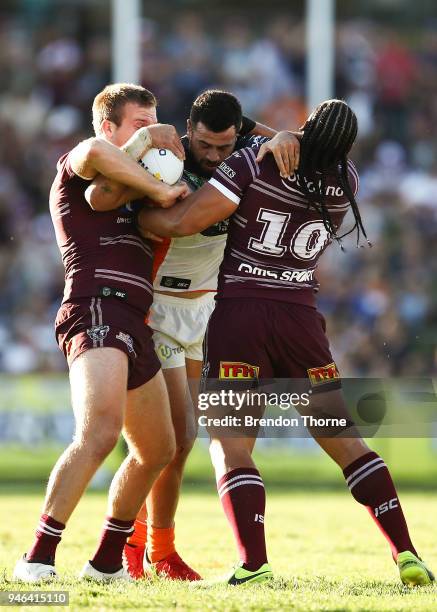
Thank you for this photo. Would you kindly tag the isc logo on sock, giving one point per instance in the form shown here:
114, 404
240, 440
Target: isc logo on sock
259, 518
386, 506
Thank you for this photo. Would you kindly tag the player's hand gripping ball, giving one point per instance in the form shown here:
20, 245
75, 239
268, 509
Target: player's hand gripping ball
163, 165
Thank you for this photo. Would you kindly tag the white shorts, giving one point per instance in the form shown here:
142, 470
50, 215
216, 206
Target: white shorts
179, 325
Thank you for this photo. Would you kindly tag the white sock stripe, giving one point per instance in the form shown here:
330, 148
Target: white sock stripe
48, 528
364, 467
369, 471
42, 529
113, 527
108, 522
228, 482
240, 483
127, 533
111, 524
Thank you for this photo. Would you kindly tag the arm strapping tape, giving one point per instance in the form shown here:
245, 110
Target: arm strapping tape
138, 144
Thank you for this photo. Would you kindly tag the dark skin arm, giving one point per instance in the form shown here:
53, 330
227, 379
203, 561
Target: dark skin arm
286, 148
263, 130
198, 211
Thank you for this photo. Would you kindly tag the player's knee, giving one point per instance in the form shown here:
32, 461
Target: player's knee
181, 455
106, 443
217, 452
166, 454
161, 455
184, 443
170, 448
100, 443
228, 452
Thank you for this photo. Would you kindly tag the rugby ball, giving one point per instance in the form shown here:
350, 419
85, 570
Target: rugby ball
163, 165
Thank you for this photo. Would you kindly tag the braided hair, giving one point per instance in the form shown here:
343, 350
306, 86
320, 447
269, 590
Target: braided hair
328, 135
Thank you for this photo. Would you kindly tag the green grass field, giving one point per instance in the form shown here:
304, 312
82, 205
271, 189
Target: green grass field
299, 468
324, 549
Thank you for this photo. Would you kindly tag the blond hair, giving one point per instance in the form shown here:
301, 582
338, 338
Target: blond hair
110, 102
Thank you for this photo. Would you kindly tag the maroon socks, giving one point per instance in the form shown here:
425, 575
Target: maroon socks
108, 556
370, 483
47, 537
243, 498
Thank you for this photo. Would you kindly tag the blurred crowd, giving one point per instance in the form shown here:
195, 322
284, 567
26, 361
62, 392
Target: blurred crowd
380, 301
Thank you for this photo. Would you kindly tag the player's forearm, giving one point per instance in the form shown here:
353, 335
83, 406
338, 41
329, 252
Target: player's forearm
190, 216
138, 144
104, 194
159, 222
183, 219
164, 223
263, 130
116, 166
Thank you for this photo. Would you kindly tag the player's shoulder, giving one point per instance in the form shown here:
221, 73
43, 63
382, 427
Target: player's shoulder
234, 175
248, 152
62, 161
254, 142
334, 188
63, 167
241, 161
353, 175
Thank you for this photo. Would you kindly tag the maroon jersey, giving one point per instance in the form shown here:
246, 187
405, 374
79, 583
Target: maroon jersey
274, 240
103, 253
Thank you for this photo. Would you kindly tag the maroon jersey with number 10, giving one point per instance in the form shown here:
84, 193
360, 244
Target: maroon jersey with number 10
275, 240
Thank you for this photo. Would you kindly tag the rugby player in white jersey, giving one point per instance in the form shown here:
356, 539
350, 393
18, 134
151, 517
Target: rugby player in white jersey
185, 281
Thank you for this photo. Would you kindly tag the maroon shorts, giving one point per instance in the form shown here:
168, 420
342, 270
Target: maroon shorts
250, 340
106, 322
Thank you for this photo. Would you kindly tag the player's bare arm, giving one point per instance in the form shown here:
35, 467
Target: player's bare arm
285, 148
158, 135
197, 212
262, 130
166, 137
107, 194
104, 194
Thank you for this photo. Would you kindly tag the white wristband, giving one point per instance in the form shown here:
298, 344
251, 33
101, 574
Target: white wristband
138, 144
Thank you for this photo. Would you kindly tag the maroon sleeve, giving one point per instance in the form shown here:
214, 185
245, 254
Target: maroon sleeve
353, 177
334, 193
236, 173
64, 168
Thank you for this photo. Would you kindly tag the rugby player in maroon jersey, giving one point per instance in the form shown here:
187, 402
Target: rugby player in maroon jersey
266, 324
179, 316
115, 376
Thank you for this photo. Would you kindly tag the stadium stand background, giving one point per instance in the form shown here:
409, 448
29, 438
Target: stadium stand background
380, 303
